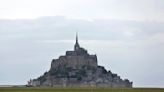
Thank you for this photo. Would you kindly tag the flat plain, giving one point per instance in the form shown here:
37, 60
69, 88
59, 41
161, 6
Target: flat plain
44, 89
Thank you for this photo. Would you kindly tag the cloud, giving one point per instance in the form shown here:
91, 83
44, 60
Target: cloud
145, 10
129, 48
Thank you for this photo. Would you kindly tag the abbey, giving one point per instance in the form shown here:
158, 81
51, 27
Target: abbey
76, 59
78, 69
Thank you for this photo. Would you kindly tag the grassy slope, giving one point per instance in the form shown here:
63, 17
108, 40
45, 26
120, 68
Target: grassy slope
25, 89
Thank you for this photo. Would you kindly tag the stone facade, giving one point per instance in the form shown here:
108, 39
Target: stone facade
75, 60
79, 69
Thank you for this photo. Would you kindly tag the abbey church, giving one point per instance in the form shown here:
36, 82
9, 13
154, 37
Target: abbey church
79, 69
76, 59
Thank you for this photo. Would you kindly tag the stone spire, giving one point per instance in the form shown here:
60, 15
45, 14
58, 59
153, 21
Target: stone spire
77, 46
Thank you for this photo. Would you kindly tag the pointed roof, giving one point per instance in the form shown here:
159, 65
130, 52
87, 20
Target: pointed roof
77, 38
77, 46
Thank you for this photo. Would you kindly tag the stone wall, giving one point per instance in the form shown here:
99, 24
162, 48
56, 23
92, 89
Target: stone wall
75, 60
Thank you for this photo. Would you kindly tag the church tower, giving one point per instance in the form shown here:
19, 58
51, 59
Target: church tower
77, 46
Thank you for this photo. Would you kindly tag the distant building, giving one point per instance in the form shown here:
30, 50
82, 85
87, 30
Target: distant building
79, 69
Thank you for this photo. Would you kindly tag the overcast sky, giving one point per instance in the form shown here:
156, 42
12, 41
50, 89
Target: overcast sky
126, 35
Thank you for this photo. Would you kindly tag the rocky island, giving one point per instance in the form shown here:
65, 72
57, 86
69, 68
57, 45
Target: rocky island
79, 69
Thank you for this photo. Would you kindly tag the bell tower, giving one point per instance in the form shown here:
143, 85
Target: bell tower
77, 46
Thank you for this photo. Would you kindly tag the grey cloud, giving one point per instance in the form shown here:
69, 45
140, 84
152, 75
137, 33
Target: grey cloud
133, 49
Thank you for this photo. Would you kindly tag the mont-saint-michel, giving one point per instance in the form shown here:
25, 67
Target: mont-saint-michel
79, 69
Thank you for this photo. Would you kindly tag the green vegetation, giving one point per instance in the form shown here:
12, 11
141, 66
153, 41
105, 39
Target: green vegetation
34, 89
61, 72
43, 77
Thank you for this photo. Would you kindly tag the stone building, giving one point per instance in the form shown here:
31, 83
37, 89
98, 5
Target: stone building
78, 69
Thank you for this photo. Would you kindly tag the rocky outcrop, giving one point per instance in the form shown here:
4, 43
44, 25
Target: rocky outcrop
78, 69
